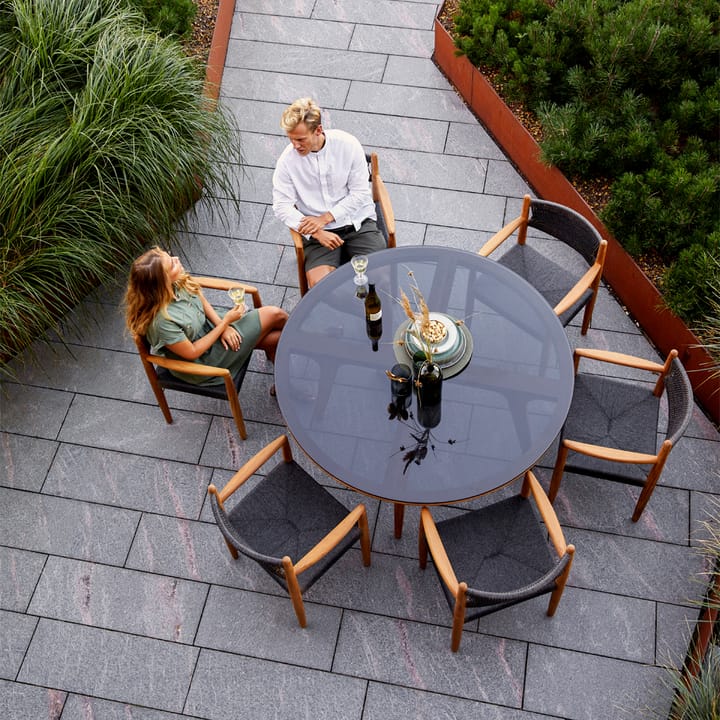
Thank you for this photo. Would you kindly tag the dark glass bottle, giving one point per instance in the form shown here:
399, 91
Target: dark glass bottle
373, 316
429, 393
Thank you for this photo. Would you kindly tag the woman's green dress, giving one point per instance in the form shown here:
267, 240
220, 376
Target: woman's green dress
186, 320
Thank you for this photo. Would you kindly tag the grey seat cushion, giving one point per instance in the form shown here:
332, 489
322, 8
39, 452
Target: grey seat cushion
287, 513
501, 551
551, 280
615, 413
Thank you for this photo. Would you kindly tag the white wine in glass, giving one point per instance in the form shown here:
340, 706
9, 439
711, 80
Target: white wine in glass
237, 295
360, 263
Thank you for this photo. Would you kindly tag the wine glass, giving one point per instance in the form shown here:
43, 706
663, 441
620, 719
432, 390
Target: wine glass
359, 263
237, 295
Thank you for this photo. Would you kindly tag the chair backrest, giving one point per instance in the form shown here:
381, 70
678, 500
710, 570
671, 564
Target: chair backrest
680, 400
567, 226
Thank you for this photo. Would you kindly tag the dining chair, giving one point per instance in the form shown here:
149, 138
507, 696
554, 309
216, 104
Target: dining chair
383, 211
158, 368
564, 290
613, 426
497, 556
288, 523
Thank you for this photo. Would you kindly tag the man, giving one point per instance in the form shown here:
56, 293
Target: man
321, 189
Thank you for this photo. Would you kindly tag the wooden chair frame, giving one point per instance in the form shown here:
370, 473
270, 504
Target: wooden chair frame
292, 569
611, 454
589, 281
429, 539
380, 197
149, 360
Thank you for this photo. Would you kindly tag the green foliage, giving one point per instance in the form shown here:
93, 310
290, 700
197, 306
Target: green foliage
671, 206
692, 281
168, 17
626, 90
106, 141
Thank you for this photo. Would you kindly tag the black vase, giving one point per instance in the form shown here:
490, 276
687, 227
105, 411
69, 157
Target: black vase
429, 393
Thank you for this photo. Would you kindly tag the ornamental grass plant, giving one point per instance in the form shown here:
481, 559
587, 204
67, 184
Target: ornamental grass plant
106, 141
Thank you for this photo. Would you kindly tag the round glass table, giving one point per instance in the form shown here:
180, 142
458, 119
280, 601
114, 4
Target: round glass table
504, 399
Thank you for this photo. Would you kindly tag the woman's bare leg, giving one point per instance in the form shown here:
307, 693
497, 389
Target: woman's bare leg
272, 321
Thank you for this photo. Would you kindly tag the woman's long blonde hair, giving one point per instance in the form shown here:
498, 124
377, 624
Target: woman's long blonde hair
149, 292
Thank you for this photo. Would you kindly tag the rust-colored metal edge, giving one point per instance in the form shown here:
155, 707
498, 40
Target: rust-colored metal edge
218, 48
633, 288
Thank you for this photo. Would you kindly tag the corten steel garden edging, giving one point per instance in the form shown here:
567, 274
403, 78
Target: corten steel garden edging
218, 48
633, 288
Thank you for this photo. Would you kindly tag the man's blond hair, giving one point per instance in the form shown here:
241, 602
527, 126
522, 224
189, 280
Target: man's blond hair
303, 110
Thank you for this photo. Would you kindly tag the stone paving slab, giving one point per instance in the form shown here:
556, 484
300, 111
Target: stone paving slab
392, 702
155, 606
20, 570
407, 653
262, 687
130, 427
110, 665
586, 687
24, 461
26, 701
264, 626
17, 630
47, 524
129, 481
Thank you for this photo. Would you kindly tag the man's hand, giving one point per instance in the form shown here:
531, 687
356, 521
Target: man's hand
310, 225
328, 239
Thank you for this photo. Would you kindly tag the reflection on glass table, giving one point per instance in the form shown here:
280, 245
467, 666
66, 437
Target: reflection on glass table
503, 402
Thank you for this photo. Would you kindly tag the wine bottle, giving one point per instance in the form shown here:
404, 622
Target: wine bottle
373, 316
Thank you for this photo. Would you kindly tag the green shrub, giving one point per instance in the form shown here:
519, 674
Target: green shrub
672, 206
106, 140
627, 91
168, 17
692, 281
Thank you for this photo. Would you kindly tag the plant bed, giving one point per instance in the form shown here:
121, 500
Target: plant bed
626, 278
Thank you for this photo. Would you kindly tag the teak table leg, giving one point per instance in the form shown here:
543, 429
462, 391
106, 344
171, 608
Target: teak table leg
399, 516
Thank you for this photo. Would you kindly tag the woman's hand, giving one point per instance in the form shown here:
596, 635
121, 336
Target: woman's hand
231, 338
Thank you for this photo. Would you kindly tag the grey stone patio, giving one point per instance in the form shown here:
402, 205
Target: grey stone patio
118, 597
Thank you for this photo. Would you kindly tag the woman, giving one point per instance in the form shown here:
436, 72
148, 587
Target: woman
167, 306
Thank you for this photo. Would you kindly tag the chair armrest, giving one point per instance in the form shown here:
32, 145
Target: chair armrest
574, 294
188, 367
617, 358
222, 284
297, 239
254, 464
331, 539
547, 512
383, 198
607, 453
500, 237
437, 550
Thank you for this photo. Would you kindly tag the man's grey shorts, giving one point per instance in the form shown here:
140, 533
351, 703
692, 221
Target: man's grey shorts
364, 241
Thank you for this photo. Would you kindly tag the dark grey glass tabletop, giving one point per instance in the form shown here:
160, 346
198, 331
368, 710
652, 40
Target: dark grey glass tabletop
498, 414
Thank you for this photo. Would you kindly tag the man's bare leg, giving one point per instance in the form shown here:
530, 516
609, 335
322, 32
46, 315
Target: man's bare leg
315, 275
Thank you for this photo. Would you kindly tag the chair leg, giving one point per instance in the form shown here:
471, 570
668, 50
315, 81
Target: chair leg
558, 472
399, 518
560, 584
652, 479
294, 591
364, 538
422, 547
458, 617
235, 406
159, 395
587, 315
